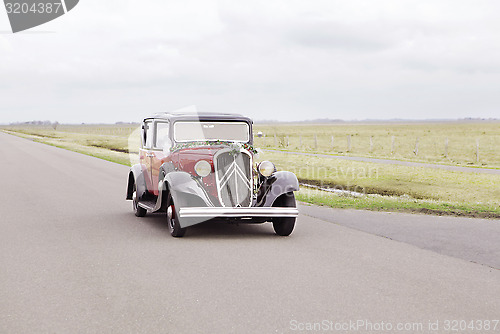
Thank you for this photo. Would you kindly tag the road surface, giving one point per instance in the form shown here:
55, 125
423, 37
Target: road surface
74, 259
471, 239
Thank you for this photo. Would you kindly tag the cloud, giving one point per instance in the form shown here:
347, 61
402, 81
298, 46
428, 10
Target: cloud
117, 60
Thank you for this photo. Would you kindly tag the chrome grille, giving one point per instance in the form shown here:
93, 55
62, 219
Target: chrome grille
234, 178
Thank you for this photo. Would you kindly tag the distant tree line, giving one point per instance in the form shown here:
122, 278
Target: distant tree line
39, 123
126, 123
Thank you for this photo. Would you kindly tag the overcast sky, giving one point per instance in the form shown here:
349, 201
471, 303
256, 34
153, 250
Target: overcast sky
108, 61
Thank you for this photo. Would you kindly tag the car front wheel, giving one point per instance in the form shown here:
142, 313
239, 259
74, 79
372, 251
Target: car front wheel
172, 220
284, 225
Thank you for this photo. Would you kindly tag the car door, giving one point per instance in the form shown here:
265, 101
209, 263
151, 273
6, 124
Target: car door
161, 148
146, 154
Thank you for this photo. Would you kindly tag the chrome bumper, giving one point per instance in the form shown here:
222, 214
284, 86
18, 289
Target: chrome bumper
212, 212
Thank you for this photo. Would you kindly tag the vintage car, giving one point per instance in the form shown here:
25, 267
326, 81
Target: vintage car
199, 167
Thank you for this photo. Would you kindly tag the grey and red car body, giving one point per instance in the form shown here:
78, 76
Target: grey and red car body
199, 167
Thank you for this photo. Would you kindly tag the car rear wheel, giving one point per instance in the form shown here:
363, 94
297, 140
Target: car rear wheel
139, 211
284, 225
172, 220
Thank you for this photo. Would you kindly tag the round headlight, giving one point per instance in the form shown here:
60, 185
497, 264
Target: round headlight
266, 168
202, 168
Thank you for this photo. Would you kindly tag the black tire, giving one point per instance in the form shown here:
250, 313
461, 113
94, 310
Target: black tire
173, 222
284, 225
139, 211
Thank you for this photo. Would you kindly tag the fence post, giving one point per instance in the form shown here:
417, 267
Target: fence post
348, 143
275, 141
416, 147
287, 141
315, 142
393, 139
371, 144
333, 144
446, 147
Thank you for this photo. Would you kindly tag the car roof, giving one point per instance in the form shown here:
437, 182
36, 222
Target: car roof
199, 116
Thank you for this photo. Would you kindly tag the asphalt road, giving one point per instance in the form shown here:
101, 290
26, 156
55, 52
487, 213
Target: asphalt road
471, 239
74, 259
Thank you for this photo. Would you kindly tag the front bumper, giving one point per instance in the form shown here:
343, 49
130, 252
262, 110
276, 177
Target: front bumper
213, 212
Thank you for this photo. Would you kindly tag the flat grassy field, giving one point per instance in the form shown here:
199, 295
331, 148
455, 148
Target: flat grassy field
454, 143
393, 187
386, 187
109, 142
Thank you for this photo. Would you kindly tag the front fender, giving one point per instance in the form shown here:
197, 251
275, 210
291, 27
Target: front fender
136, 176
185, 190
279, 183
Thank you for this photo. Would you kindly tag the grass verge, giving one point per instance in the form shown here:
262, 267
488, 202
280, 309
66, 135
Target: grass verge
396, 204
68, 143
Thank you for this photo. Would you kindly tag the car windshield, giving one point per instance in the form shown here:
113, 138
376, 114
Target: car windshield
185, 131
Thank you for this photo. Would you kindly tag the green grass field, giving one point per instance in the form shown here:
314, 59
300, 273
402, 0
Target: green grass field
389, 187
452, 143
394, 187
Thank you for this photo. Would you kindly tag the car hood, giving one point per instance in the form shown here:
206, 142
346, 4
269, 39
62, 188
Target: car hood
188, 157
197, 153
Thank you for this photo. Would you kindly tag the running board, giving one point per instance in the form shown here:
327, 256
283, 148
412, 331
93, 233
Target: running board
151, 205
148, 205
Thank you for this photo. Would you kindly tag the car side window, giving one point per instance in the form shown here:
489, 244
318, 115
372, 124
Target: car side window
148, 134
162, 137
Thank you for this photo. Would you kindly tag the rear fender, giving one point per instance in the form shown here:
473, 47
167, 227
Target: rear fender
136, 176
